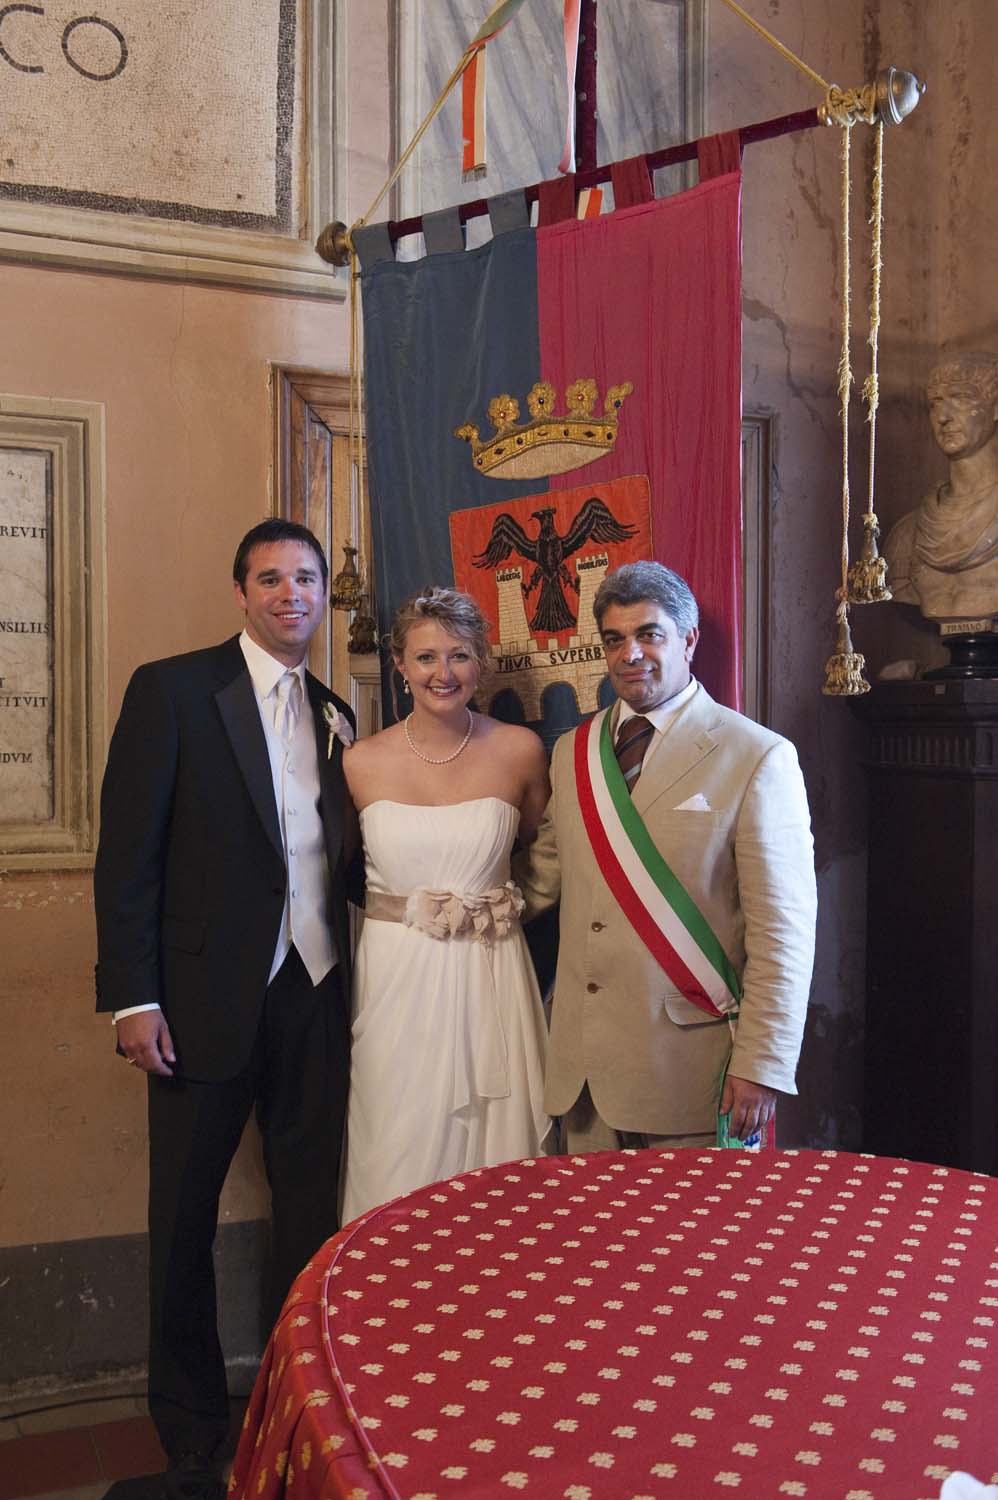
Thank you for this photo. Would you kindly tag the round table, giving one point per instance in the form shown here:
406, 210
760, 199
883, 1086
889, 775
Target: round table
642, 1324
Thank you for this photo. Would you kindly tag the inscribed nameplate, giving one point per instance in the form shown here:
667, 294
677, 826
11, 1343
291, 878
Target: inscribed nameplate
26, 678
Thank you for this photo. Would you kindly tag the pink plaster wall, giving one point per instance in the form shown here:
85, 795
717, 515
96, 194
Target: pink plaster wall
939, 293
183, 372
791, 330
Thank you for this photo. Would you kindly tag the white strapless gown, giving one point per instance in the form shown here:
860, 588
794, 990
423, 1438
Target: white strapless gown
449, 1036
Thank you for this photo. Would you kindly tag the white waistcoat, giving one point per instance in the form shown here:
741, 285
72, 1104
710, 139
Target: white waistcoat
295, 772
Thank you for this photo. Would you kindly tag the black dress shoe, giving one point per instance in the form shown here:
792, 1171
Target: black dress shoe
193, 1476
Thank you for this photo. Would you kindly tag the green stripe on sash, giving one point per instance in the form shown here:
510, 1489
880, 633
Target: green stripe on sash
669, 885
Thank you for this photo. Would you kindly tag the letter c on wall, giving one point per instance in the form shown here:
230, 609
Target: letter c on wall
7, 10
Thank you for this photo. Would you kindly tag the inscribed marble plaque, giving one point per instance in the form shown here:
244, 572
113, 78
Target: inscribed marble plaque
26, 781
178, 111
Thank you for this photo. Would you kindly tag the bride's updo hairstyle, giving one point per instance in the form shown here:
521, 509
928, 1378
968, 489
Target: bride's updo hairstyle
454, 612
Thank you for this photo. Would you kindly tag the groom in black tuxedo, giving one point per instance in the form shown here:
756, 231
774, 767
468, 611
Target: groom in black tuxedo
223, 954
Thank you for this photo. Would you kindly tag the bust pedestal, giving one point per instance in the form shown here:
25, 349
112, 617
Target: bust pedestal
972, 654
931, 1052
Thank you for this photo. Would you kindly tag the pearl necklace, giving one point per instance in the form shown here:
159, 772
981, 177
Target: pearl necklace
439, 760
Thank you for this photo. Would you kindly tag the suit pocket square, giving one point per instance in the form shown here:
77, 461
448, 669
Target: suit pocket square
697, 803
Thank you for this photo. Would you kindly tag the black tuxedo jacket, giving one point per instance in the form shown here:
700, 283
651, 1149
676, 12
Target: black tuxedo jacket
190, 876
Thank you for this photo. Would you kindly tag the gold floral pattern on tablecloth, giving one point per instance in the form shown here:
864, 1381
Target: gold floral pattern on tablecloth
640, 1325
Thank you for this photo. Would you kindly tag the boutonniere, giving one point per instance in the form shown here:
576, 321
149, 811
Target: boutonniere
339, 728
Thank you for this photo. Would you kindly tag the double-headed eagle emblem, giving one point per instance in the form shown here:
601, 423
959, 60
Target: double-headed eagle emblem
548, 550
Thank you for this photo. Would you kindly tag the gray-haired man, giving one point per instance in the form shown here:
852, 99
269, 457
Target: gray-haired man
678, 840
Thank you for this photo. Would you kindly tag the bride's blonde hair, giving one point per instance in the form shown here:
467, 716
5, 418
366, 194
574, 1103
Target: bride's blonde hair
454, 612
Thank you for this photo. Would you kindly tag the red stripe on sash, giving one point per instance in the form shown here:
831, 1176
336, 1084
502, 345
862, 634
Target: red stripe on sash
627, 898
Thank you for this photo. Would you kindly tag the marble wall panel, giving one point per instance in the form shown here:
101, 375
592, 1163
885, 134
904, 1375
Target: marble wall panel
647, 95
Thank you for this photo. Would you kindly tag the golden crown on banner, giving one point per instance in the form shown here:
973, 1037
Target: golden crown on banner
548, 444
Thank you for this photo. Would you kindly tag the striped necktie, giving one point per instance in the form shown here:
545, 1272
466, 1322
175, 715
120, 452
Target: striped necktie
633, 739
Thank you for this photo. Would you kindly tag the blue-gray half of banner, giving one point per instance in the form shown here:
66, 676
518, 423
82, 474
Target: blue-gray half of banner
442, 337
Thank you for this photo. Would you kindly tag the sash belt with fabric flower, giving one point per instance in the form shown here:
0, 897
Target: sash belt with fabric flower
486, 917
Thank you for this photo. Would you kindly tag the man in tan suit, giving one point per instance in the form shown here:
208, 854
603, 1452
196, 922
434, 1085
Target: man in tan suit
678, 839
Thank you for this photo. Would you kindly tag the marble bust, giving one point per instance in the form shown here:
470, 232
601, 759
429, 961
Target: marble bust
943, 556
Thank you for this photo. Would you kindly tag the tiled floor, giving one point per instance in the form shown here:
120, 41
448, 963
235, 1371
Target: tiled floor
76, 1451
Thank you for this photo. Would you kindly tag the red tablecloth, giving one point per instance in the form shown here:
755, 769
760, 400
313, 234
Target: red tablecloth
642, 1324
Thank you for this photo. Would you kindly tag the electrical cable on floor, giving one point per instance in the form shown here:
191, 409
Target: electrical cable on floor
36, 1411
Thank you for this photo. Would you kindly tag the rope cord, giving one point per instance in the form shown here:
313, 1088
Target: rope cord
871, 385
845, 374
356, 392
356, 397
781, 49
851, 106
842, 106
454, 78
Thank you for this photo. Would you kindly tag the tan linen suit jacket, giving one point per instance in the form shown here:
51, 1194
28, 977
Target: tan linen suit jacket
653, 1059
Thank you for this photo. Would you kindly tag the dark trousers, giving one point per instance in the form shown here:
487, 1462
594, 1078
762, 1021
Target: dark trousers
297, 1079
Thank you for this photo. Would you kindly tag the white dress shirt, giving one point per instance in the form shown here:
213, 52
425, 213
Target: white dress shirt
661, 716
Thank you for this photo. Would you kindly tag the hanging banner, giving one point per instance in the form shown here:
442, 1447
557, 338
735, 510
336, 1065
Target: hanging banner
620, 340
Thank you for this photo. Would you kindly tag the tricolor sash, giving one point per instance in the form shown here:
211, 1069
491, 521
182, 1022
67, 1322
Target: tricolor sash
655, 902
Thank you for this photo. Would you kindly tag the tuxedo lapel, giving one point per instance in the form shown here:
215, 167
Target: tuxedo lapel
329, 750
241, 717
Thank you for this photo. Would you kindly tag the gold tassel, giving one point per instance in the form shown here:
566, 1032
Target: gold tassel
844, 671
362, 637
868, 575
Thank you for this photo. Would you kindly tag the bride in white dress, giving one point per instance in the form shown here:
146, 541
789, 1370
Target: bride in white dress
448, 1032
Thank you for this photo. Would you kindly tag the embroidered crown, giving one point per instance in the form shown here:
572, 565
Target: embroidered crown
548, 444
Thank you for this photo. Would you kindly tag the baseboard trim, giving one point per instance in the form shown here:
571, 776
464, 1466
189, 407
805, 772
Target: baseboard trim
73, 1314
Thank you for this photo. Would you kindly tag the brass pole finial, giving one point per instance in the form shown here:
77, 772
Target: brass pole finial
334, 244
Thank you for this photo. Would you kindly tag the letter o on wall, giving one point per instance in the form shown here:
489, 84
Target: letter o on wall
108, 26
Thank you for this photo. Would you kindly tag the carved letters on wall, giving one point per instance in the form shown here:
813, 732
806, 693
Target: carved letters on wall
25, 637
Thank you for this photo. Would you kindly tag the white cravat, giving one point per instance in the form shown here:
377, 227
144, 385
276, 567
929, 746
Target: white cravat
288, 698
